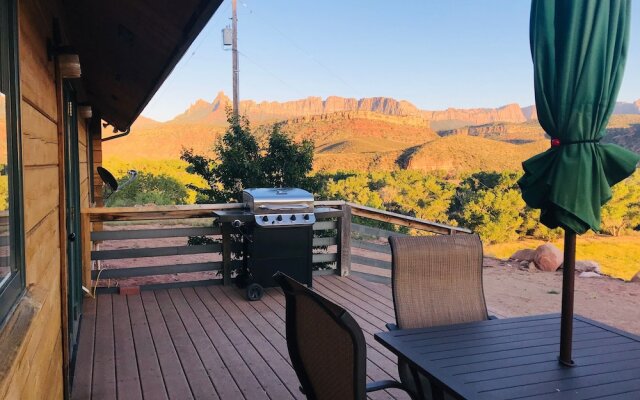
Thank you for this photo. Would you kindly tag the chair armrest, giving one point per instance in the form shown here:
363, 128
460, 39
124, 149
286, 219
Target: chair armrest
392, 327
388, 384
493, 317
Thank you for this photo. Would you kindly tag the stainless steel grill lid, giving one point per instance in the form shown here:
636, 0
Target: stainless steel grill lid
274, 207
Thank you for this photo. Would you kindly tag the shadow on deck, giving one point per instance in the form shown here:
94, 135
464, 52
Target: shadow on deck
209, 343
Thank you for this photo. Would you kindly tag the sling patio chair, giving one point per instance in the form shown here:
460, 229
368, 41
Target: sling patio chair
326, 346
436, 280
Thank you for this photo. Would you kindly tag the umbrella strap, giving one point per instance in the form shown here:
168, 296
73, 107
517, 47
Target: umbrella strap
558, 143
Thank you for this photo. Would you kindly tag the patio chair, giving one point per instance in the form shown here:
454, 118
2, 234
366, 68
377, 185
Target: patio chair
436, 280
326, 346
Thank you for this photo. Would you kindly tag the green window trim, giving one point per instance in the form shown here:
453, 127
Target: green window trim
12, 290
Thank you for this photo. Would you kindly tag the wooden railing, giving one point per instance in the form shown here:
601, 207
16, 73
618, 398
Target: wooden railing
109, 236
370, 251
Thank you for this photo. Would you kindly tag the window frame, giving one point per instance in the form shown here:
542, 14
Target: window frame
14, 288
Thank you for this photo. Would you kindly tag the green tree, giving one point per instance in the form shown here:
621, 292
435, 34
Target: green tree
241, 162
623, 210
490, 204
150, 189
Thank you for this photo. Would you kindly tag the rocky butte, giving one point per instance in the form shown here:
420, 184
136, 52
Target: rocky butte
204, 112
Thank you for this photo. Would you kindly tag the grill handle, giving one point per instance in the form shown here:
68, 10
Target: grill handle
283, 207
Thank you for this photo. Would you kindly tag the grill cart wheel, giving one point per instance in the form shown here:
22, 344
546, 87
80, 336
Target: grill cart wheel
254, 292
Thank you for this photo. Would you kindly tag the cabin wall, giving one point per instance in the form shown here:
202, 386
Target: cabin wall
95, 130
32, 363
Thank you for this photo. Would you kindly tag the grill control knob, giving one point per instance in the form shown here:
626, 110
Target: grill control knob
265, 218
306, 217
293, 217
279, 217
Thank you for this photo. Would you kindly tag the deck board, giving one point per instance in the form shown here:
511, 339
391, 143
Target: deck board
197, 375
175, 380
209, 342
152, 383
128, 379
84, 374
104, 365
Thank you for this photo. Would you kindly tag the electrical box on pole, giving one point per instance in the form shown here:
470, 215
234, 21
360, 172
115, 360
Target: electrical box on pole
227, 36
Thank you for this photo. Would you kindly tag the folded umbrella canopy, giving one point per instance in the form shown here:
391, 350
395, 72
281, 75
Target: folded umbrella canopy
579, 50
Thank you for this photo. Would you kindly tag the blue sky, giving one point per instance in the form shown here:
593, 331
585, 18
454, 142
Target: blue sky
433, 53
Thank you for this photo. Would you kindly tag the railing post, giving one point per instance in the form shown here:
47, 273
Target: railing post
85, 229
344, 242
226, 253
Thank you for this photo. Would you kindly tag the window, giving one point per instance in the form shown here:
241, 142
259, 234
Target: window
11, 251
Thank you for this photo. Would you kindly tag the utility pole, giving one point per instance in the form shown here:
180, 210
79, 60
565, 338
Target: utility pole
234, 53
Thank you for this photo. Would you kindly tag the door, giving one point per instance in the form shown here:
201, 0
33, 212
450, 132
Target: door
74, 247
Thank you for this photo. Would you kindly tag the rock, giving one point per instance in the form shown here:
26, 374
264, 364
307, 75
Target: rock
636, 278
590, 274
548, 257
532, 266
523, 255
492, 262
587, 266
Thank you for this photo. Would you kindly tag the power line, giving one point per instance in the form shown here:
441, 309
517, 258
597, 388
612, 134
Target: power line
305, 52
212, 27
270, 73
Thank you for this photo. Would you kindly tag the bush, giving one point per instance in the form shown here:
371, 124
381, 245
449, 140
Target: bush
149, 189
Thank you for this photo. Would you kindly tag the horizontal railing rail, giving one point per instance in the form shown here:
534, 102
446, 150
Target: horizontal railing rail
370, 251
339, 241
113, 226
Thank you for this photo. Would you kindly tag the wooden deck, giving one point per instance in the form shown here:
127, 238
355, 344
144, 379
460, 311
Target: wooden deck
209, 343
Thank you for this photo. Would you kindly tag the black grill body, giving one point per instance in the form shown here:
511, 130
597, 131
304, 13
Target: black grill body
277, 229
285, 249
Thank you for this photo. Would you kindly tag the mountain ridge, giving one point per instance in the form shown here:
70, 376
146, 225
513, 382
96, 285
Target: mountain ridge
214, 112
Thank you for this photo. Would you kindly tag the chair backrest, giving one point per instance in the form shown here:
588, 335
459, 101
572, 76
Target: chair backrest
437, 280
326, 345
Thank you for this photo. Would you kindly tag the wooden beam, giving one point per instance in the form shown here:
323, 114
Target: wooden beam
85, 228
403, 220
180, 212
324, 257
155, 252
156, 270
157, 212
344, 242
152, 233
226, 254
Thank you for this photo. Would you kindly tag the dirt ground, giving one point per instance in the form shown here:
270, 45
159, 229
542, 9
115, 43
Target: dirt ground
513, 292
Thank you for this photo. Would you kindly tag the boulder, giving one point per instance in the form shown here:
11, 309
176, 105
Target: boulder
587, 266
492, 262
523, 255
548, 257
590, 274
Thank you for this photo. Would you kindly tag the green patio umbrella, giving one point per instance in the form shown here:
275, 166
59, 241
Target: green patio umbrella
579, 50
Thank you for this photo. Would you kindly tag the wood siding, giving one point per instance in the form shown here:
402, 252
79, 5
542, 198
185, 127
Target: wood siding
35, 368
95, 129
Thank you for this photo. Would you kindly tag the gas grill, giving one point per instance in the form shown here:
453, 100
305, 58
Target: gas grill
277, 208
277, 231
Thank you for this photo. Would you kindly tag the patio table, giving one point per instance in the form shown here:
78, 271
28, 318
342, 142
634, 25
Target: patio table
517, 358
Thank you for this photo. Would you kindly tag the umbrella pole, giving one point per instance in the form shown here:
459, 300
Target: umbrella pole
568, 276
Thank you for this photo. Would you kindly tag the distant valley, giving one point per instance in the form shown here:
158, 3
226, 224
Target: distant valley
374, 133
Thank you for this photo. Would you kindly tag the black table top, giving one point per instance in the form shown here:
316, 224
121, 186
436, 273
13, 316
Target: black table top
517, 358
